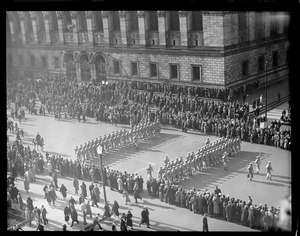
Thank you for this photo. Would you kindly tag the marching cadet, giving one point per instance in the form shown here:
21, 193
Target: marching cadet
225, 160
257, 163
160, 173
269, 169
167, 160
250, 171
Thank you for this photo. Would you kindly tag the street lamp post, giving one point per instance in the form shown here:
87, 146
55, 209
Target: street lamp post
266, 93
99, 151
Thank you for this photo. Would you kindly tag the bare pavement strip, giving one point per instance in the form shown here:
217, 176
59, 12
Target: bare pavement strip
62, 136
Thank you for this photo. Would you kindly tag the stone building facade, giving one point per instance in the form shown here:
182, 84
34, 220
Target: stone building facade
201, 48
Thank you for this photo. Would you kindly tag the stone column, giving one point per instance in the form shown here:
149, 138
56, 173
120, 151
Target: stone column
122, 15
162, 28
60, 28
183, 20
74, 22
251, 25
78, 71
22, 22
89, 26
93, 71
105, 27
267, 23
12, 32
142, 29
47, 28
280, 23
34, 28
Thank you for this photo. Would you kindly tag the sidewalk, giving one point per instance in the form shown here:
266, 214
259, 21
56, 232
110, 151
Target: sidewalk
272, 91
163, 217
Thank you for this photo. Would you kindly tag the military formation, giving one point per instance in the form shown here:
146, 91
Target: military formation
210, 155
117, 139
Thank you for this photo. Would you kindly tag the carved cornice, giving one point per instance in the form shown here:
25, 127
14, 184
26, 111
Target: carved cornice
73, 14
161, 13
88, 14
45, 15
105, 13
141, 13
122, 14
182, 13
59, 14
215, 13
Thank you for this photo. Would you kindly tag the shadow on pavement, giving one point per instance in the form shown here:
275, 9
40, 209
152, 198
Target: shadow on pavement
125, 152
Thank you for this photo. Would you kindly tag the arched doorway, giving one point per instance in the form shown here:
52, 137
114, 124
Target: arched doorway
100, 66
70, 65
85, 68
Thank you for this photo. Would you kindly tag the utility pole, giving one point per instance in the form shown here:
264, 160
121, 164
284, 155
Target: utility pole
99, 151
266, 92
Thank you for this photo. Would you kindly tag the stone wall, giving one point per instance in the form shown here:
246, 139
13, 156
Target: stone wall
233, 63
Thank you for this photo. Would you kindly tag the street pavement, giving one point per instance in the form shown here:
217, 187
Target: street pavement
61, 137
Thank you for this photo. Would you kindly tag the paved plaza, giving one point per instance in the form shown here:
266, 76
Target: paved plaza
61, 137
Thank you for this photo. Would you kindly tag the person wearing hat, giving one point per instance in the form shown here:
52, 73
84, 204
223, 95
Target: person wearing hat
145, 217
257, 163
205, 224
64, 227
250, 172
269, 170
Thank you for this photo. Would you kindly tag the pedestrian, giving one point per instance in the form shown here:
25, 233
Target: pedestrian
136, 193
54, 178
115, 209
76, 185
145, 217
53, 195
129, 219
96, 221
149, 171
29, 204
88, 209
44, 215
83, 209
72, 201
48, 197
91, 187
205, 224
113, 226
26, 185
40, 227
37, 213
28, 216
123, 226
126, 196
64, 228
63, 191
67, 213
83, 190
269, 170
74, 215
20, 201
